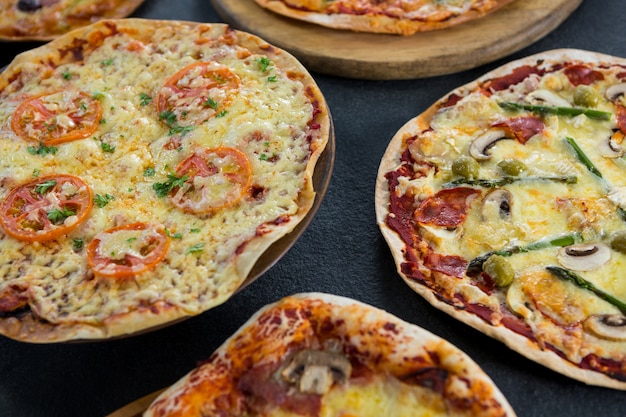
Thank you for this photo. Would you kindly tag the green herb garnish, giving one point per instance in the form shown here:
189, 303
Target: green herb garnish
264, 63
42, 150
45, 186
102, 200
144, 99
197, 248
164, 188
57, 216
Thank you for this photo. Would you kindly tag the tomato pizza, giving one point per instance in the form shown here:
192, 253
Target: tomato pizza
320, 355
43, 20
145, 166
387, 16
504, 205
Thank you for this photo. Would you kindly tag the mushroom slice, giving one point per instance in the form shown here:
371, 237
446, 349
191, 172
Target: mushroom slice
497, 204
607, 326
584, 257
610, 148
479, 146
547, 97
315, 371
615, 91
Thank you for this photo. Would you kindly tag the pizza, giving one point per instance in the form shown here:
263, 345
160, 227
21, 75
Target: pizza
504, 204
400, 17
316, 354
43, 20
145, 166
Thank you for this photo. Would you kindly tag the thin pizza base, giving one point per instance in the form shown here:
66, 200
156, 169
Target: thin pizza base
385, 344
49, 22
27, 326
376, 23
389, 162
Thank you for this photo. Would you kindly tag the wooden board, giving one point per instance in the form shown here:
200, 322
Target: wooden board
387, 57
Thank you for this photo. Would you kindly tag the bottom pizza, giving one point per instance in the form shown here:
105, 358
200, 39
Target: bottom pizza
317, 354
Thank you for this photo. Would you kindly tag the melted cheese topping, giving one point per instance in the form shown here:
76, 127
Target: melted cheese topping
268, 114
540, 207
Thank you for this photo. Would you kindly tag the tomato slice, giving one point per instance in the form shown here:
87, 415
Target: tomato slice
58, 117
46, 208
215, 178
127, 250
196, 93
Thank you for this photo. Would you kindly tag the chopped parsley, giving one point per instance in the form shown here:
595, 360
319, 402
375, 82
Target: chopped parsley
264, 63
107, 62
149, 172
210, 103
42, 150
195, 230
173, 236
221, 114
273, 79
170, 119
106, 147
45, 186
163, 188
102, 200
67, 75
97, 95
36, 172
144, 99
57, 216
78, 244
197, 248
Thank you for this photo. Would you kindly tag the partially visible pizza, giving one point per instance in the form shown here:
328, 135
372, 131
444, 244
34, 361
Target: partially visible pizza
504, 205
321, 355
145, 167
46, 19
401, 17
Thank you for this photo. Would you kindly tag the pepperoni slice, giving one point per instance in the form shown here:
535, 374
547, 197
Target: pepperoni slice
214, 179
522, 128
58, 117
447, 208
127, 250
582, 75
196, 93
46, 208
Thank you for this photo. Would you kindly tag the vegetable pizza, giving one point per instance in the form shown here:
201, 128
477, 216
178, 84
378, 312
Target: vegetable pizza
145, 166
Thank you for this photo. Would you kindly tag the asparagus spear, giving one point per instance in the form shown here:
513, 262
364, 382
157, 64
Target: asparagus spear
583, 283
499, 182
582, 157
475, 265
559, 111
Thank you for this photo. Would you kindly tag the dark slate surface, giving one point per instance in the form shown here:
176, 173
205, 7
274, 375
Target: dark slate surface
342, 252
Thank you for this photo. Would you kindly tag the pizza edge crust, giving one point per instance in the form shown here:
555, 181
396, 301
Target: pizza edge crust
514, 341
27, 327
411, 340
374, 24
121, 10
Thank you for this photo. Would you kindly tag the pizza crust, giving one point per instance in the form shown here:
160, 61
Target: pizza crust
375, 23
390, 161
27, 325
380, 341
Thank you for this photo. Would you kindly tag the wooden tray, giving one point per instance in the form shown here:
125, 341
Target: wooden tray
387, 57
